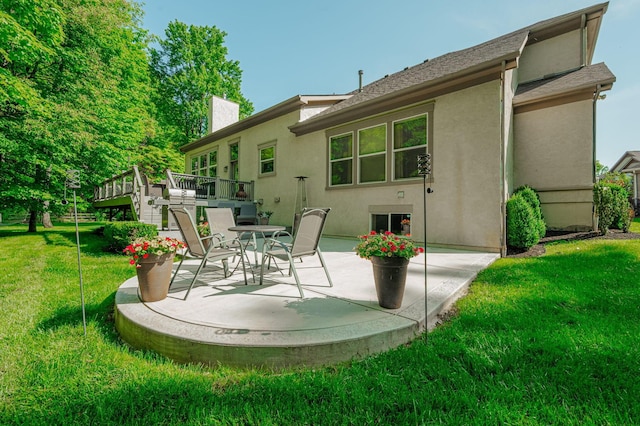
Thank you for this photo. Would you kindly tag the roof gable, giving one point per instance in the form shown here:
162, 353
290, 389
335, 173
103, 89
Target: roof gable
629, 161
378, 96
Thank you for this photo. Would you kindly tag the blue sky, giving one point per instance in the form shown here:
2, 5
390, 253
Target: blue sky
301, 47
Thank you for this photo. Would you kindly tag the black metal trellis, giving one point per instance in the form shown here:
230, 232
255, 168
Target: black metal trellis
424, 170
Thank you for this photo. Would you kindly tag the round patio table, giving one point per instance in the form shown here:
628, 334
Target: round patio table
256, 229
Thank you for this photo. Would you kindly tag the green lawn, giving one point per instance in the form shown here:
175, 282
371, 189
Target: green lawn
548, 340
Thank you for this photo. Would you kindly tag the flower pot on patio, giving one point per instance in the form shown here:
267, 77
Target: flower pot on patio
390, 275
389, 255
264, 221
406, 230
154, 276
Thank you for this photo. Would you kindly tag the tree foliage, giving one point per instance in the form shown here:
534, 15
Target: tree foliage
75, 95
612, 206
189, 66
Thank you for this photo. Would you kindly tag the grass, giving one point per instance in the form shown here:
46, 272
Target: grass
548, 340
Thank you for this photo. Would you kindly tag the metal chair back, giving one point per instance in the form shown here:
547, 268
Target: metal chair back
189, 232
220, 220
309, 231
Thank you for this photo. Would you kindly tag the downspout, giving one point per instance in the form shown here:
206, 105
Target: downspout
503, 167
583, 41
596, 96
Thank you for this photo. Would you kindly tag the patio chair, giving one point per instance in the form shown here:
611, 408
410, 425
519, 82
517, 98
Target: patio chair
220, 220
248, 215
215, 251
305, 243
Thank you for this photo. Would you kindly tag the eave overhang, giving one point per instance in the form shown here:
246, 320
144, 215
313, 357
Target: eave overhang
421, 92
285, 107
581, 84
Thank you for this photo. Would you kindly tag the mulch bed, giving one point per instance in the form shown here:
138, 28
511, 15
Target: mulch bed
553, 236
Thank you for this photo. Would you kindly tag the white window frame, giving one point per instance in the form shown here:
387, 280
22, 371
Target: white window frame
207, 167
425, 110
395, 150
332, 161
382, 153
262, 147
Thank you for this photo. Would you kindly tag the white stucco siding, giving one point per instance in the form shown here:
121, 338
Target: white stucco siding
559, 54
465, 207
553, 146
280, 184
464, 210
554, 155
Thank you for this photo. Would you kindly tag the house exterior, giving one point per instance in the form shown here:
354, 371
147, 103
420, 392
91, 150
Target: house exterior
516, 110
629, 164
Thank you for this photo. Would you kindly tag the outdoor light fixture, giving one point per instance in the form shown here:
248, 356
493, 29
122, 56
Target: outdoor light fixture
424, 169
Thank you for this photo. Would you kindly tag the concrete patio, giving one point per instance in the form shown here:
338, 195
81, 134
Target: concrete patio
226, 322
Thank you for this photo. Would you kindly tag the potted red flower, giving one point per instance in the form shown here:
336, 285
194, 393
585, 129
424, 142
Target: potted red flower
153, 258
389, 254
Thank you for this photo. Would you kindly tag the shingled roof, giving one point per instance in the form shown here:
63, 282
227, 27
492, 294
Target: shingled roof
585, 78
630, 161
470, 66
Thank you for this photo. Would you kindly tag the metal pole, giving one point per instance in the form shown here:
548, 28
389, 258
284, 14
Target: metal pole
424, 209
424, 169
73, 181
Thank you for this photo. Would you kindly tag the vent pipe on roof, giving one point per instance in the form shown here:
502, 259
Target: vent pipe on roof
360, 72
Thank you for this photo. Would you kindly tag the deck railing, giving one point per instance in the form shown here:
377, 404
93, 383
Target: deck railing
126, 183
212, 188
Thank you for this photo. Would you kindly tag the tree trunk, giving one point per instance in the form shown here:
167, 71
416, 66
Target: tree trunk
33, 218
46, 216
46, 220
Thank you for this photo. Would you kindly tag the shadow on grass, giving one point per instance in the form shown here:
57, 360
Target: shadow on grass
64, 235
100, 315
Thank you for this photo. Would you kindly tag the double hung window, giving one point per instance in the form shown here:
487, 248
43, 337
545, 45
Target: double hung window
380, 150
372, 148
205, 164
341, 159
267, 159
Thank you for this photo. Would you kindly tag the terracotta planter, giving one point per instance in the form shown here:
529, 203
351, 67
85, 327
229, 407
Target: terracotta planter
390, 276
154, 276
264, 221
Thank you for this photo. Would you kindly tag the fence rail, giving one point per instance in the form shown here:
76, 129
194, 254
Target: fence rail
82, 217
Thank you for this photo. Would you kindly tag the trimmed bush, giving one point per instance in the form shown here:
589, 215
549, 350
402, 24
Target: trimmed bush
533, 199
120, 234
612, 207
522, 223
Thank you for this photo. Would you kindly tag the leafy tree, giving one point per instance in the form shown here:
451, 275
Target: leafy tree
601, 169
189, 66
76, 95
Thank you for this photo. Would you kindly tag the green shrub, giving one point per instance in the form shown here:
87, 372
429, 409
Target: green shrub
612, 206
522, 223
120, 234
533, 199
